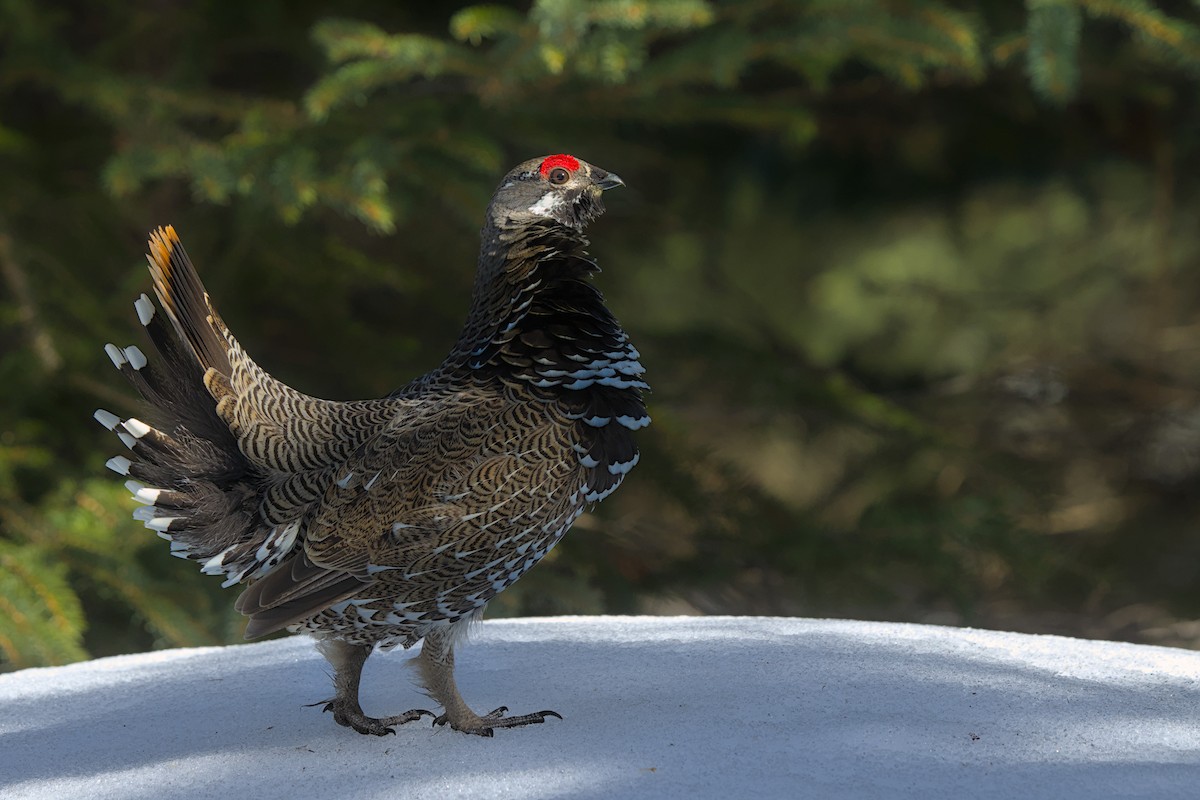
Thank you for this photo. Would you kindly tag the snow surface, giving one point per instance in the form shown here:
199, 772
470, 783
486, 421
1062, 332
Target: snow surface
726, 707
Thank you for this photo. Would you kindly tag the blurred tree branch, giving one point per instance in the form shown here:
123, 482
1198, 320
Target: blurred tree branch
41, 341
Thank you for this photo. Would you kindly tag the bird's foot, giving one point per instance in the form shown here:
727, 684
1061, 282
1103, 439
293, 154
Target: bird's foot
483, 726
349, 714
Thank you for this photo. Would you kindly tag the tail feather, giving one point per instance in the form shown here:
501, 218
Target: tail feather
192, 497
276, 428
162, 498
204, 483
183, 297
228, 461
169, 382
196, 487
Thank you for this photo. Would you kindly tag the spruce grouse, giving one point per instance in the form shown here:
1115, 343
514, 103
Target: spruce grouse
387, 522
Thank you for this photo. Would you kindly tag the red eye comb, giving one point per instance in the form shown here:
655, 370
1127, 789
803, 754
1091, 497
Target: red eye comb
569, 163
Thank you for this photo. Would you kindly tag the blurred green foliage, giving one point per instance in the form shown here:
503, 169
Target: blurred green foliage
914, 281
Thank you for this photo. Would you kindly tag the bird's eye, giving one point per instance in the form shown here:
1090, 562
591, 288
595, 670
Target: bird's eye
558, 176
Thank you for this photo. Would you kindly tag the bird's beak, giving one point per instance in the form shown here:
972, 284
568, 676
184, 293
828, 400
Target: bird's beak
609, 180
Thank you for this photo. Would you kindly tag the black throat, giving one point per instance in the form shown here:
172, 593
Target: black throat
535, 311
538, 323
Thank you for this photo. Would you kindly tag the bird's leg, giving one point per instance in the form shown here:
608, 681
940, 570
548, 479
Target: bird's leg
347, 660
436, 666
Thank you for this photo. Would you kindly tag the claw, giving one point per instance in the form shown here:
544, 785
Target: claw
496, 719
351, 716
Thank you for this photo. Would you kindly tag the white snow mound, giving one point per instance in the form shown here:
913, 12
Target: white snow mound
724, 707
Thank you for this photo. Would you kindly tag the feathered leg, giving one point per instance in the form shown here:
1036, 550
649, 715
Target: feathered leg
436, 665
347, 660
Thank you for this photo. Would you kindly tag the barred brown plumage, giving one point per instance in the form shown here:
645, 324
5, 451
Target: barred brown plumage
387, 522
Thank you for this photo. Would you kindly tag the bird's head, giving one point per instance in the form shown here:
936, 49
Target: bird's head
558, 188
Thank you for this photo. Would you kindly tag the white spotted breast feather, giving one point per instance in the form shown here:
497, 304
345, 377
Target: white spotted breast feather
559, 340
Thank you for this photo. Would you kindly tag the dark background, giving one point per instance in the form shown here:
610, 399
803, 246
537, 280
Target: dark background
915, 283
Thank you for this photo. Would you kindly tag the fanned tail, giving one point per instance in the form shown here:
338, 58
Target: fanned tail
198, 489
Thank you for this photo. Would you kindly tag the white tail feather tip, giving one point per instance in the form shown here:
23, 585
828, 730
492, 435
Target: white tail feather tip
147, 495
213, 565
126, 439
119, 464
137, 427
114, 353
137, 359
106, 418
144, 309
160, 523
